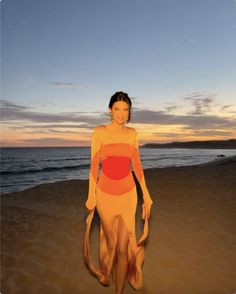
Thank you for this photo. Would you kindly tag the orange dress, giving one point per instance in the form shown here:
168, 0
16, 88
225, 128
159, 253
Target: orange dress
114, 191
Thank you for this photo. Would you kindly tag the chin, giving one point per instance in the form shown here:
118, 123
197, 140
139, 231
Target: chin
120, 122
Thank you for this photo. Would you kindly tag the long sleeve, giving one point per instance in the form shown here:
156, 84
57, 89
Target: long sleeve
138, 170
94, 168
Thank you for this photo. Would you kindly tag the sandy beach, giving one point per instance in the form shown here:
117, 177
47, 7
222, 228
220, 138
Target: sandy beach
191, 247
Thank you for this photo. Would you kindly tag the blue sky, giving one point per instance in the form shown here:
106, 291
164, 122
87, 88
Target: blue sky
64, 59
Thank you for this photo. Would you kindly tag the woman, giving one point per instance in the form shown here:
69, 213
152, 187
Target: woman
113, 193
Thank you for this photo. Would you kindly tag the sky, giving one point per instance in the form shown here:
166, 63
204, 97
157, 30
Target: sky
62, 60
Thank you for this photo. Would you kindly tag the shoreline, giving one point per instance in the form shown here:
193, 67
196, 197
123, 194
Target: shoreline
216, 161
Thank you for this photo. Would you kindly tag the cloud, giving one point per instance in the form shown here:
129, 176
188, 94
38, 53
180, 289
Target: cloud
136, 100
224, 107
55, 131
64, 84
201, 133
54, 126
9, 105
191, 121
45, 102
201, 102
17, 112
45, 140
199, 117
170, 108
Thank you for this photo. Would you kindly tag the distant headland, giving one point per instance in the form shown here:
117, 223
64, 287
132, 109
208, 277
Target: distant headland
213, 144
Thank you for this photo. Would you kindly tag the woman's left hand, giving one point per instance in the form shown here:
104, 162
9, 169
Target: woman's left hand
146, 209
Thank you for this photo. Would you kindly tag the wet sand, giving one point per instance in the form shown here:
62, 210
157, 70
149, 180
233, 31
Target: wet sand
191, 246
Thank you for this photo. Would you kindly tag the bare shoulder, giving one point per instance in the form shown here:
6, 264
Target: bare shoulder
99, 128
97, 131
132, 130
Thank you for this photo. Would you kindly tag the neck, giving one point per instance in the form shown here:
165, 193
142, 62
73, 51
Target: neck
117, 126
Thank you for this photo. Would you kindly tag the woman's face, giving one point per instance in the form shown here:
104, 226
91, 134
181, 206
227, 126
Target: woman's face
120, 112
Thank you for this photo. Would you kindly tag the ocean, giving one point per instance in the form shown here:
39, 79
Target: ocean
23, 168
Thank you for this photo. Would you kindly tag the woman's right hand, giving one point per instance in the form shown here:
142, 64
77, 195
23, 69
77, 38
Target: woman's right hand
90, 204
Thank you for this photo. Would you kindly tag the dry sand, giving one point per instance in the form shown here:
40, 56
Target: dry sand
191, 246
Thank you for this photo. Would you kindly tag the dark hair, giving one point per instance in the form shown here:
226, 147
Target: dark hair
121, 96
